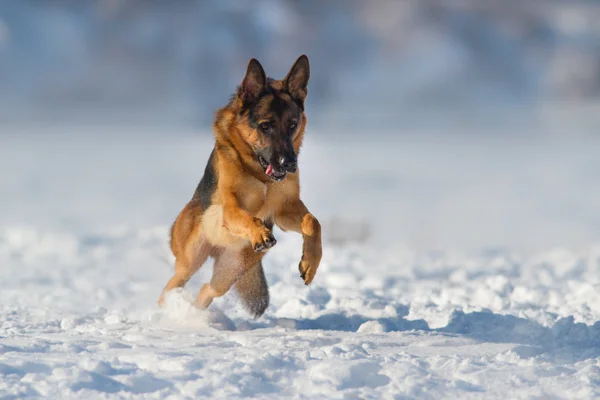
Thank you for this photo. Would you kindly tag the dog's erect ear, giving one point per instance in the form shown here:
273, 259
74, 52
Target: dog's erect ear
296, 81
254, 82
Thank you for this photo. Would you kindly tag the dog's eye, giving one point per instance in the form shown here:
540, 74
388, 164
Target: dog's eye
265, 126
293, 125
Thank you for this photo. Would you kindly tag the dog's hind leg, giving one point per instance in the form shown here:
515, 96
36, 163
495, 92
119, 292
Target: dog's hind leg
230, 266
253, 290
188, 261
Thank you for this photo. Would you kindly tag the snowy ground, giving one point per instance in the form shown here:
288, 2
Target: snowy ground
477, 275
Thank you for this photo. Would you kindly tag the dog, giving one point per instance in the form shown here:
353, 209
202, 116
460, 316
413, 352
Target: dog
250, 183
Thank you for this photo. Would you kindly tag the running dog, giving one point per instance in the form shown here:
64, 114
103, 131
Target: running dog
251, 182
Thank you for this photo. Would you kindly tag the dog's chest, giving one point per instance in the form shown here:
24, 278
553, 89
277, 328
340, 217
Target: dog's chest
255, 201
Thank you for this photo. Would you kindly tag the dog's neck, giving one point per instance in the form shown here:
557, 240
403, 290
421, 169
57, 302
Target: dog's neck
227, 133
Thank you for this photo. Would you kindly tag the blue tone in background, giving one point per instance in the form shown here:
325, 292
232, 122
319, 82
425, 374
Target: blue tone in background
375, 64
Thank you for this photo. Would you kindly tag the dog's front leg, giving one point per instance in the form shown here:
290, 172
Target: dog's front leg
240, 222
296, 217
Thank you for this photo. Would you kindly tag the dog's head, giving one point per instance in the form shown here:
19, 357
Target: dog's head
271, 117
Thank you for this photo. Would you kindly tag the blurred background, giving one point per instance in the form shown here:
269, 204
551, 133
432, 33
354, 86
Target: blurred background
433, 123
422, 64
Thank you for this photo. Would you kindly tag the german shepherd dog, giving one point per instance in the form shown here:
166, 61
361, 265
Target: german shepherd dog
251, 182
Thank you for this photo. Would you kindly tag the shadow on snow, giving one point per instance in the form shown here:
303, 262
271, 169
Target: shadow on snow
566, 341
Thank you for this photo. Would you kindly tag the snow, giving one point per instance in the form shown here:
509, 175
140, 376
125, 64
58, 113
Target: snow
483, 280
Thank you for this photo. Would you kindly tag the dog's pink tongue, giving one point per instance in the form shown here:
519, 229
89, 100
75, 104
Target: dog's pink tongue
269, 170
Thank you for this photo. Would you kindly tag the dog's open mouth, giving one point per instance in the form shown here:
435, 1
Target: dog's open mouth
273, 173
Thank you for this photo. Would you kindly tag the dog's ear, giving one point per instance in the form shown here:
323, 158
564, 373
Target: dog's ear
296, 81
254, 82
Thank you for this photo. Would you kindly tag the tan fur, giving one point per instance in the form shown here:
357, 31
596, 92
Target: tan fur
233, 226
253, 290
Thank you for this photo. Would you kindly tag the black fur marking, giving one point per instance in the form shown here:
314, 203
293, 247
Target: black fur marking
269, 223
253, 115
299, 103
207, 185
252, 118
278, 106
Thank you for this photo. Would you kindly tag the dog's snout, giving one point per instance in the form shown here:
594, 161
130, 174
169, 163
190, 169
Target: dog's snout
288, 163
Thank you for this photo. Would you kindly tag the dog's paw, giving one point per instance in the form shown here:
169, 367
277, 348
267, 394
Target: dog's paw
263, 241
308, 267
311, 258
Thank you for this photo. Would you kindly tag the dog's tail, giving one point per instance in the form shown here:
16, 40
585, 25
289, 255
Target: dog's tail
253, 290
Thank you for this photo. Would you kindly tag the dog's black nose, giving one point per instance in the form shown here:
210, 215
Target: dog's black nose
288, 163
